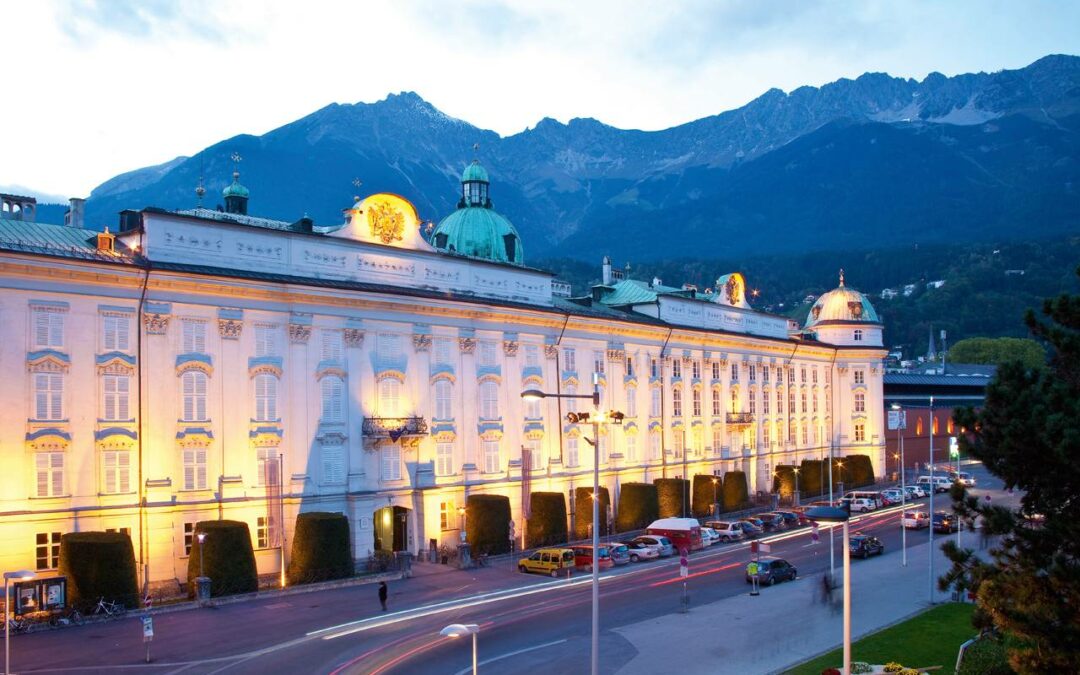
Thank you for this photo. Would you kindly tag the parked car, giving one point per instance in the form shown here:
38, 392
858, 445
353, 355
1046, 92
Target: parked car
727, 530
583, 557
791, 519
751, 528
620, 554
939, 483
639, 551
874, 497
709, 536
966, 479
683, 533
915, 491
861, 504
892, 495
773, 522
550, 561
768, 570
864, 546
915, 520
945, 522
661, 544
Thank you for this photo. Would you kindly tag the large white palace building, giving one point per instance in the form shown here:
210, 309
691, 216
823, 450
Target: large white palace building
203, 364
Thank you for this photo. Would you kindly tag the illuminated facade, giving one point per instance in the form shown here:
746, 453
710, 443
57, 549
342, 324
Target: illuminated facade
186, 369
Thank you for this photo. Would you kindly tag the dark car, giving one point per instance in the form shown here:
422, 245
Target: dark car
769, 570
863, 546
773, 522
751, 527
944, 522
791, 519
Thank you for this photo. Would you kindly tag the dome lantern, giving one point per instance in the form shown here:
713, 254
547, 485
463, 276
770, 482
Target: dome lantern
235, 194
474, 186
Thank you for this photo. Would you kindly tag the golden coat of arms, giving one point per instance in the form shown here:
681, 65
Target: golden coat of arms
386, 222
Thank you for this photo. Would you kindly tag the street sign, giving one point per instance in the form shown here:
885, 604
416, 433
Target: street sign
147, 628
764, 548
684, 566
754, 546
814, 536
954, 447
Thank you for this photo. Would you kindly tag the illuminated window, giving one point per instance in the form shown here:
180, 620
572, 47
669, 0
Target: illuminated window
444, 459
116, 471
717, 440
332, 389
266, 468
860, 402
631, 447
116, 398
535, 454
265, 397
389, 397
949, 426
447, 511
918, 427
491, 456
262, 538
860, 432
47, 550
49, 467
189, 534
936, 425
858, 335
679, 442
676, 402
193, 384
654, 445
194, 468
697, 403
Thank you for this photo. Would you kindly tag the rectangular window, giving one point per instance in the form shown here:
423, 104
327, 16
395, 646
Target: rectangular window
791, 403
193, 337
189, 535
680, 441
262, 538
765, 435
765, 374
716, 370
765, 402
491, 456
654, 368
532, 356
535, 450
446, 515
266, 340
572, 451
389, 397
115, 332
860, 402
802, 375
332, 389
655, 402
532, 409
444, 400
331, 346
860, 433
48, 329
734, 372
654, 445
117, 471
391, 462
631, 447
814, 401
569, 360
598, 362
47, 550
751, 398
676, 402
442, 351
333, 464
696, 403
791, 433
779, 403
50, 473
753, 373
489, 401
860, 377
715, 394
48, 396
388, 346
813, 375
444, 459
629, 366
803, 402
487, 355
266, 397
805, 435
695, 370
717, 440
195, 468
676, 368
631, 401
194, 396
116, 397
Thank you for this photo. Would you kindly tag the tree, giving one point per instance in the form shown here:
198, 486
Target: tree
998, 350
1028, 434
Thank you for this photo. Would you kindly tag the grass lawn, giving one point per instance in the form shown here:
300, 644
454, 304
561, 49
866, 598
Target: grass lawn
930, 639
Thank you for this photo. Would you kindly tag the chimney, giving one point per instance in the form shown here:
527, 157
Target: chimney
75, 216
656, 282
607, 271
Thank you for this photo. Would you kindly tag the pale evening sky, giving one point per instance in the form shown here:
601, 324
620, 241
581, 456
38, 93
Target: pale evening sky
93, 88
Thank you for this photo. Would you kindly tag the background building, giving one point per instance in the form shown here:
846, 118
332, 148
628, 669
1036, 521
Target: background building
205, 364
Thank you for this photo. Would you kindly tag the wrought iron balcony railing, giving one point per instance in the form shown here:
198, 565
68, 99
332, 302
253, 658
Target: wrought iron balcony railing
394, 427
740, 418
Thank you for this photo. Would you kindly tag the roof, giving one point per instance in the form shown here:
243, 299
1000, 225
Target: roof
479, 231
223, 217
979, 381
842, 305
674, 524
474, 172
55, 240
235, 189
635, 292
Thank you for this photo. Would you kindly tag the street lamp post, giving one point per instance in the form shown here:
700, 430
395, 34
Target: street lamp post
715, 503
534, 394
21, 575
901, 424
456, 630
933, 489
795, 470
202, 539
832, 514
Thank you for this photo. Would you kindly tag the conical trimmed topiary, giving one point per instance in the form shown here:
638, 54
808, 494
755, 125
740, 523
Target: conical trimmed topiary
320, 548
99, 565
226, 557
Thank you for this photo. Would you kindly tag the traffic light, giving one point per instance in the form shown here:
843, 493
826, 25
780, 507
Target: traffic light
577, 418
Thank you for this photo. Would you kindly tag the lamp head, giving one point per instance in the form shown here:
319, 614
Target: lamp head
459, 629
532, 395
201, 536
461, 510
20, 575
895, 406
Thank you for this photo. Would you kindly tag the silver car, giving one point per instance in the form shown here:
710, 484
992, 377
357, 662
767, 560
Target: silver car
641, 551
660, 543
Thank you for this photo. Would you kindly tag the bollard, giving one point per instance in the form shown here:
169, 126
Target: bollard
202, 591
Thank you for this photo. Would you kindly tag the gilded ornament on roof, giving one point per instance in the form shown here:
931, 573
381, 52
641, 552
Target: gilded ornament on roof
856, 309
734, 290
386, 222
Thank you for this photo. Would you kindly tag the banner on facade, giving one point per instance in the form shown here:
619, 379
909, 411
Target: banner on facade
272, 481
526, 482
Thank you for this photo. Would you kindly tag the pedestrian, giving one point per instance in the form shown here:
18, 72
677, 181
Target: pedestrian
826, 589
382, 594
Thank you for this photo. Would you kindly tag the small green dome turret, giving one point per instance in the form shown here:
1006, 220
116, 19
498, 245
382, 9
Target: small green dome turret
235, 189
475, 172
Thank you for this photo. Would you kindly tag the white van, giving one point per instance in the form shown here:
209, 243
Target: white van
728, 531
874, 497
939, 483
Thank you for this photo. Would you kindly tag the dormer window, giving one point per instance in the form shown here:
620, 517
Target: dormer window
858, 335
440, 240
475, 193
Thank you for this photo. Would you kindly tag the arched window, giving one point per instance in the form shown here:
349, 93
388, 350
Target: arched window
489, 401
858, 335
918, 426
676, 401
389, 397
444, 400
265, 397
333, 399
936, 425
194, 395
734, 401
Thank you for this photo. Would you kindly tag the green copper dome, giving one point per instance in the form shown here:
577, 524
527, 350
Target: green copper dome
474, 172
235, 189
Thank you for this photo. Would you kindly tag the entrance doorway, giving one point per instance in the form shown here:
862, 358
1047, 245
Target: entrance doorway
392, 529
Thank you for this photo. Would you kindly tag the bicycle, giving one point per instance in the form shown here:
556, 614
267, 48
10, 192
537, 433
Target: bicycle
72, 617
110, 608
18, 625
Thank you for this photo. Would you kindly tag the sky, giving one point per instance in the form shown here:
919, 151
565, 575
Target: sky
94, 88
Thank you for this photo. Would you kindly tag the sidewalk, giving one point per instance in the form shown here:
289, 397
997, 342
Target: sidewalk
784, 626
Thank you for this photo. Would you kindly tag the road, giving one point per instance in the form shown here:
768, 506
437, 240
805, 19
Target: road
527, 622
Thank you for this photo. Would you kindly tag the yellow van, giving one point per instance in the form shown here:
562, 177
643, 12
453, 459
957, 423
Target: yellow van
550, 561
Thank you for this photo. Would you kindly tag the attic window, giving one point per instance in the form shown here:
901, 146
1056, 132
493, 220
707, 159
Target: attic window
106, 242
440, 240
510, 241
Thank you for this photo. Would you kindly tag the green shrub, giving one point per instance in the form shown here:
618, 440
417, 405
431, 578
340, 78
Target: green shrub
226, 557
811, 481
320, 548
987, 656
784, 481
583, 511
547, 522
99, 565
858, 471
736, 495
638, 506
487, 524
670, 493
706, 493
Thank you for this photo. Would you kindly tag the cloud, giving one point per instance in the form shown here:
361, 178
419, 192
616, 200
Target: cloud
84, 21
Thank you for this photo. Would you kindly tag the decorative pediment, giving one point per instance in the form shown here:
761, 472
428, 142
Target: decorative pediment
490, 431
194, 435
534, 431
489, 377
532, 380
654, 425
115, 363
570, 380
443, 373
265, 434
47, 361
444, 432
116, 437
270, 365
53, 438
325, 370
200, 362
630, 428
390, 373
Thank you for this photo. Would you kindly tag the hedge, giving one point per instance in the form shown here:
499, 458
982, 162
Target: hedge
706, 492
226, 556
784, 481
638, 506
858, 471
487, 524
547, 520
99, 565
583, 509
736, 495
811, 480
320, 548
670, 493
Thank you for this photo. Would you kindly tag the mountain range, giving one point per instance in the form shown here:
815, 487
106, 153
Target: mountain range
860, 164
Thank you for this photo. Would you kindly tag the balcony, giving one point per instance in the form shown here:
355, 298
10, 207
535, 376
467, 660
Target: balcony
740, 418
394, 427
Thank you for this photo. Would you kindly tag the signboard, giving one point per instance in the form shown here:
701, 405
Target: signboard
684, 566
954, 447
147, 628
764, 548
39, 595
897, 420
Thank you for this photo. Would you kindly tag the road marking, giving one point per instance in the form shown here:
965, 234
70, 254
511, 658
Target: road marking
466, 671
